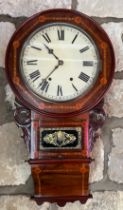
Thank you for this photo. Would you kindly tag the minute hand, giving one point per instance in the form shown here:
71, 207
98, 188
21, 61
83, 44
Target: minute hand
52, 71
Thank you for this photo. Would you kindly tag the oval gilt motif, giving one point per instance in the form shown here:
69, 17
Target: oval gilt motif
59, 138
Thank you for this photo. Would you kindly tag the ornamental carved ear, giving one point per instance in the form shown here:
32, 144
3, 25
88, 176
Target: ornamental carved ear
22, 116
60, 63
97, 118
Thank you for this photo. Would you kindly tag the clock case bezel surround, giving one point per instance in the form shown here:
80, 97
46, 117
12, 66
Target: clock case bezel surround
82, 103
38, 31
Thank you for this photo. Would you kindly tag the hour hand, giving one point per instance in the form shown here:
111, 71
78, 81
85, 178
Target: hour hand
50, 51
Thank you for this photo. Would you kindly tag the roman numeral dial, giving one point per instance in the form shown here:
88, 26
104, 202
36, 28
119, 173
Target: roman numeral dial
59, 62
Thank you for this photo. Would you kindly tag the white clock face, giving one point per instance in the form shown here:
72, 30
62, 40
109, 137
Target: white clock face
59, 62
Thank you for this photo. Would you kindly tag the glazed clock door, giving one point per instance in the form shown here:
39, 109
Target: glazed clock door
60, 62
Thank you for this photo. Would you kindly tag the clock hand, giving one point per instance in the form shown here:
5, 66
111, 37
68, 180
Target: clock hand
44, 81
60, 62
52, 71
50, 51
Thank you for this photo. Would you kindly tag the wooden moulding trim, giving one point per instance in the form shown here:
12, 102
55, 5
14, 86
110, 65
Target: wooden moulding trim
40, 161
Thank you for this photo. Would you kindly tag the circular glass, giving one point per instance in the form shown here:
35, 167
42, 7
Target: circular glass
59, 62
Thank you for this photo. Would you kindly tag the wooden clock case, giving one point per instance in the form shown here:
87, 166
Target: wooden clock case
60, 174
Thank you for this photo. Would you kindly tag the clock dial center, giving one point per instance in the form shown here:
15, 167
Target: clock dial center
61, 62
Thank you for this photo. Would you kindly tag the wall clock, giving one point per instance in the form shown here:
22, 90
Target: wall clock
59, 64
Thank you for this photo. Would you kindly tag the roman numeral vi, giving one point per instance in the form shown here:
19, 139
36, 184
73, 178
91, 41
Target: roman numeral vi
59, 91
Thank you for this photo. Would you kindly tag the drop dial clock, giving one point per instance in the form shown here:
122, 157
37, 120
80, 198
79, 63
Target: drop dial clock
60, 63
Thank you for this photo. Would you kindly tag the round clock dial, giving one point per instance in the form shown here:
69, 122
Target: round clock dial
59, 62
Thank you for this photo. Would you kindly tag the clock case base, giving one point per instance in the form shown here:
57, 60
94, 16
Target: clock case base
61, 201
60, 176
60, 180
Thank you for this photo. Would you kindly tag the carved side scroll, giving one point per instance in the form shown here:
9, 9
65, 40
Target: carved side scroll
97, 118
22, 117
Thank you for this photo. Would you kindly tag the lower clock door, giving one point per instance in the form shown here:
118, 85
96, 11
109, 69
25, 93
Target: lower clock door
62, 185
61, 180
